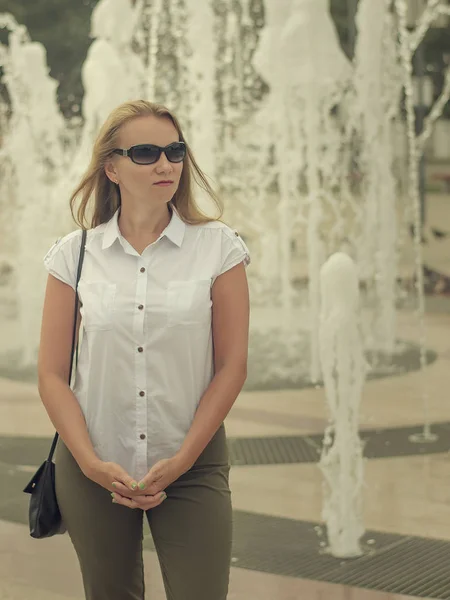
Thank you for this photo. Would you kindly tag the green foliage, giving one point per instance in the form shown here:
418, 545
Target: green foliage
63, 27
339, 10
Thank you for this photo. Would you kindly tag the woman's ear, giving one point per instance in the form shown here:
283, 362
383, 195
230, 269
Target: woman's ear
111, 172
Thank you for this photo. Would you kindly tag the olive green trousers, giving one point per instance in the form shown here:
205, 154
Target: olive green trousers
191, 531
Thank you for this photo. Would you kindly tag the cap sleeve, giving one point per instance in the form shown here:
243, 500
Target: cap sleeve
61, 260
234, 250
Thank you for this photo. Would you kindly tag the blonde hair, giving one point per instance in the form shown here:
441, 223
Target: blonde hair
95, 183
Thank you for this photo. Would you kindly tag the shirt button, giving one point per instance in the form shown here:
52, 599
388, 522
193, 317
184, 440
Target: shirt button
236, 234
141, 306
142, 269
141, 394
142, 436
140, 349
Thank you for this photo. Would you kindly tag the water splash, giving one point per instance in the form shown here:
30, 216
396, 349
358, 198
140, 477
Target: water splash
374, 108
344, 369
112, 72
200, 71
154, 12
282, 136
33, 149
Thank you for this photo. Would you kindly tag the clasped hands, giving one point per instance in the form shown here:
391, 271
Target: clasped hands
145, 494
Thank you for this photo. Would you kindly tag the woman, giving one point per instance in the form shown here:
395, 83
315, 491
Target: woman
164, 315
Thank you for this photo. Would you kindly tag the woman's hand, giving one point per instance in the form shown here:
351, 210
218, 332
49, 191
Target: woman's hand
106, 473
112, 476
160, 476
144, 502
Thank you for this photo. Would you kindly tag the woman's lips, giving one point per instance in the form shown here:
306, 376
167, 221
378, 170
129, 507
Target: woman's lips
164, 183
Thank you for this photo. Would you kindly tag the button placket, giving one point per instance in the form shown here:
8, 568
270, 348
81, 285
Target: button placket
140, 366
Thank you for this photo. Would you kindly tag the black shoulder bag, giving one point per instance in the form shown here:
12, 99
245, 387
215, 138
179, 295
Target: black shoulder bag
44, 516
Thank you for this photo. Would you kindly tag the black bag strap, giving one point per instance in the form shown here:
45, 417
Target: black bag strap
74, 331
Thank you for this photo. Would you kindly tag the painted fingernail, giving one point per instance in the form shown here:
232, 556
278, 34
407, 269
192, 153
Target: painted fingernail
113, 501
133, 486
114, 485
142, 486
112, 495
163, 495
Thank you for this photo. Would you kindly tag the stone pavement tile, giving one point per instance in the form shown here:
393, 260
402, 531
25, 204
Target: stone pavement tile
408, 496
48, 570
250, 585
13, 591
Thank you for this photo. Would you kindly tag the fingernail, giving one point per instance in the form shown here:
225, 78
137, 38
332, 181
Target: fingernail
163, 495
133, 486
142, 486
112, 495
114, 485
114, 502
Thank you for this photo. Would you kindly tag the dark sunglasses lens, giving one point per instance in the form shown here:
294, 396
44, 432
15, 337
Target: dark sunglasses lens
145, 155
176, 152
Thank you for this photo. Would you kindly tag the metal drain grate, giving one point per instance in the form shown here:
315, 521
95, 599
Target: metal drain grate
276, 450
378, 443
395, 564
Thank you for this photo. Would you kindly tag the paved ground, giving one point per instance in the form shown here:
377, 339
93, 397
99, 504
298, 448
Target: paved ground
275, 436
279, 536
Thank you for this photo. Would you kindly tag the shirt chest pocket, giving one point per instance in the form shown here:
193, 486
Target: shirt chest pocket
189, 303
97, 308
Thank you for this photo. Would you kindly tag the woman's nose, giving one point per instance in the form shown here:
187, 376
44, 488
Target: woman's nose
163, 164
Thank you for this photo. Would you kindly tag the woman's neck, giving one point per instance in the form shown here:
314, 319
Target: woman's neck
141, 222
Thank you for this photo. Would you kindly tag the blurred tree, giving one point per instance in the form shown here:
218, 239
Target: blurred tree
436, 44
62, 26
437, 57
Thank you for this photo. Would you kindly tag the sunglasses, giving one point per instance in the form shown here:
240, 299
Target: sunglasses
148, 154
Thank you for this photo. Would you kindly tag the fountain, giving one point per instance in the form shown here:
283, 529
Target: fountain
112, 72
301, 150
32, 152
325, 171
344, 369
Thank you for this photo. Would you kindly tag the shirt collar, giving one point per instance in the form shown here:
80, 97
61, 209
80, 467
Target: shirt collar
174, 230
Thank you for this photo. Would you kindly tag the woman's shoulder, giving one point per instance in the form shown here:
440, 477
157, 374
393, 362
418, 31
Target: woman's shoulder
217, 228
62, 258
71, 242
66, 244
227, 242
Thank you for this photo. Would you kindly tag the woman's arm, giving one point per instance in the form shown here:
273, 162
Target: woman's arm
231, 313
230, 335
53, 372
59, 400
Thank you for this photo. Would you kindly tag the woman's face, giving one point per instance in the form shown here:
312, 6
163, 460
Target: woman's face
141, 181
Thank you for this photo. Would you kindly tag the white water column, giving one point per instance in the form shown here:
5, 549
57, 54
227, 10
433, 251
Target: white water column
318, 73
276, 213
33, 145
344, 371
202, 74
375, 107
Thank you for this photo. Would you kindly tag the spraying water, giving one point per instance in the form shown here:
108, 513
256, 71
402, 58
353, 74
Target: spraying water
111, 74
344, 368
374, 111
32, 145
